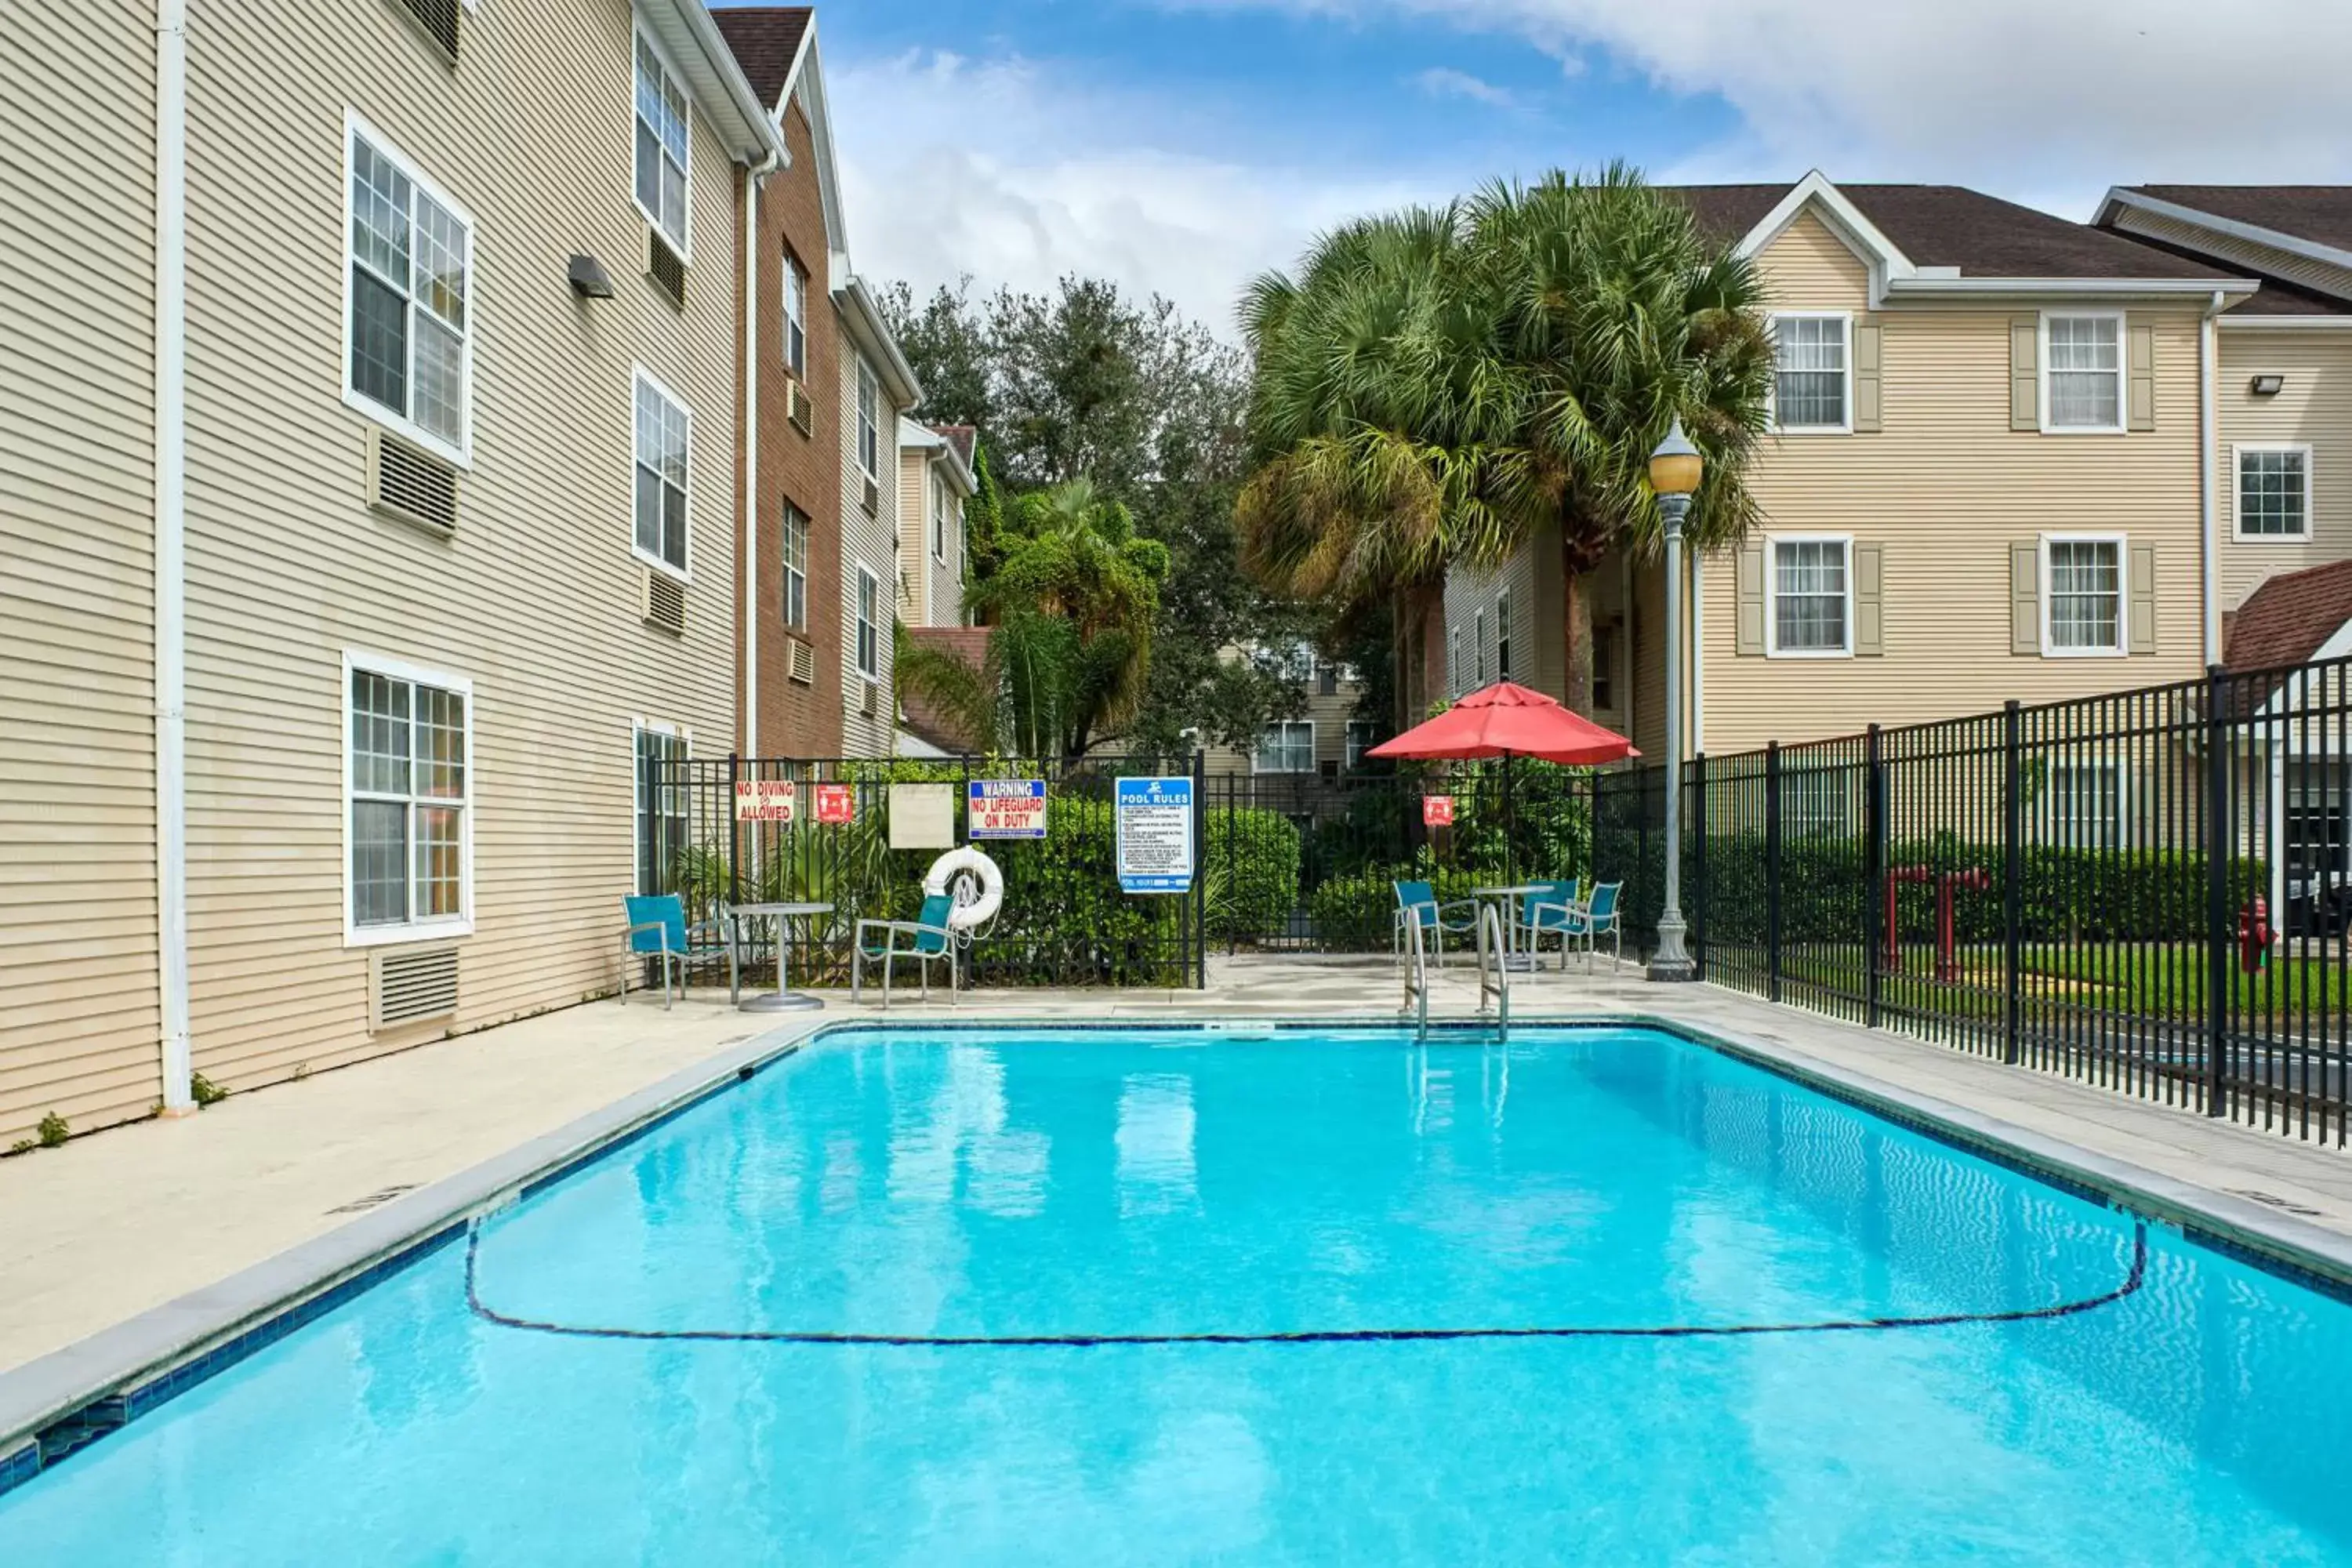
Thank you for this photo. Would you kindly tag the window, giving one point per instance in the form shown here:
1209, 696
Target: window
797, 562
662, 150
796, 318
1604, 664
1814, 803
1810, 585
1286, 746
940, 501
408, 794
870, 422
1503, 635
1811, 355
2274, 493
2084, 601
664, 430
1478, 649
409, 269
661, 808
1327, 680
2084, 382
1454, 661
869, 624
1360, 740
2083, 808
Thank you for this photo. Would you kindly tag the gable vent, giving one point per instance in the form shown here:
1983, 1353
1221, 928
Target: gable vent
661, 601
439, 20
873, 499
411, 985
803, 661
666, 267
800, 407
410, 485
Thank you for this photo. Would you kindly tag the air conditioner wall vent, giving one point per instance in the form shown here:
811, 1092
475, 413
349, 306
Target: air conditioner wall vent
661, 601
411, 985
411, 485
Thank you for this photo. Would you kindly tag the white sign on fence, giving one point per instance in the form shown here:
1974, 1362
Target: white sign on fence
1154, 818
922, 816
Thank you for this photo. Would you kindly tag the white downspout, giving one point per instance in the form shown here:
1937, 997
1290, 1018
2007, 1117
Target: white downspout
177, 1066
2208, 438
753, 174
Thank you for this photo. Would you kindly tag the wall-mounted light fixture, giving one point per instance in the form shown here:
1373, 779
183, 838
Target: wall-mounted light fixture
589, 280
2266, 386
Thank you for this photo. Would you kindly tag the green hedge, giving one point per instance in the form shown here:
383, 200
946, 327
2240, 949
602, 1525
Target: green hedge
1252, 867
1358, 913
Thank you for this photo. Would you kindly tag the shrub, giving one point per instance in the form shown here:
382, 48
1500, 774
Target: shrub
1358, 913
52, 1130
1253, 865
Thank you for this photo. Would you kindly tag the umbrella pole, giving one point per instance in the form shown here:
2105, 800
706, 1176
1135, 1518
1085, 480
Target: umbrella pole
1511, 827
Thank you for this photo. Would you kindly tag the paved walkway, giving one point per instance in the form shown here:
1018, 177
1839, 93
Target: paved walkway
123, 1221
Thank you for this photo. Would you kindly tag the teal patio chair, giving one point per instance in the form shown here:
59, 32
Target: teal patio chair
1547, 913
1596, 919
657, 933
927, 939
1420, 899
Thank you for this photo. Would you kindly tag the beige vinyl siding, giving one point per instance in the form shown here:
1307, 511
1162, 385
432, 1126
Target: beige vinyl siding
872, 540
2230, 250
2314, 408
1329, 715
944, 600
1943, 490
535, 600
914, 539
80, 1031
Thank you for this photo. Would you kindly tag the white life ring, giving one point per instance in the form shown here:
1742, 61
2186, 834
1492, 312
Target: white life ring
967, 866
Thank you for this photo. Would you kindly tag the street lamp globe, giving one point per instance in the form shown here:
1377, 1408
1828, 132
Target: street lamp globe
1675, 465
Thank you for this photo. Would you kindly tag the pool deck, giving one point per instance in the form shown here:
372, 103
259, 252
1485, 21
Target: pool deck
130, 1245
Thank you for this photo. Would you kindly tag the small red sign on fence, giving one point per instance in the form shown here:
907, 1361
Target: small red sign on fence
1437, 810
836, 804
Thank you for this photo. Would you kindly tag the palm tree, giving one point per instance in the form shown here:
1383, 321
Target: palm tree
1374, 395
1616, 316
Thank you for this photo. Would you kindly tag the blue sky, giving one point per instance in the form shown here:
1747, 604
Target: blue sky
1183, 145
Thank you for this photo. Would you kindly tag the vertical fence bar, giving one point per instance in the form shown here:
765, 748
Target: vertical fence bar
1694, 832
1200, 899
1772, 871
1874, 867
2217, 895
2012, 883
734, 831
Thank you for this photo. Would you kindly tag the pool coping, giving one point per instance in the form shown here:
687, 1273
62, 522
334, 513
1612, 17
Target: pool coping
58, 1403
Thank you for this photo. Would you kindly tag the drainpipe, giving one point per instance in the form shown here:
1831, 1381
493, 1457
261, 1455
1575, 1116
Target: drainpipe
177, 1066
2208, 434
753, 175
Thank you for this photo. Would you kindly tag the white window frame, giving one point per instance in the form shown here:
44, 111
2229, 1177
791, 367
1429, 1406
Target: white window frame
2238, 452
2123, 373
410, 930
863, 622
938, 517
2051, 832
869, 421
1772, 543
682, 242
2050, 649
1285, 725
356, 125
684, 574
1772, 398
796, 283
799, 622
638, 727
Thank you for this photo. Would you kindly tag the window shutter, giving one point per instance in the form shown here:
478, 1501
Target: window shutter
1867, 349
2025, 597
2025, 377
1748, 631
1869, 604
2141, 391
2141, 636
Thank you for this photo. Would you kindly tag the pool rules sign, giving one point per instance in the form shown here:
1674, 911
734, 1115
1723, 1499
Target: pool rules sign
1154, 818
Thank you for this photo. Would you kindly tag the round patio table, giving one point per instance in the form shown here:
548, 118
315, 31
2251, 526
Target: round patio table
783, 999
1518, 963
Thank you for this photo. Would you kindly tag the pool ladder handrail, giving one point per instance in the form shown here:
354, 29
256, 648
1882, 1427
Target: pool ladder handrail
1416, 974
1494, 968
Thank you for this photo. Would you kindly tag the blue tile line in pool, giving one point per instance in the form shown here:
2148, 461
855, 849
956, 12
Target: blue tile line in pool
111, 1411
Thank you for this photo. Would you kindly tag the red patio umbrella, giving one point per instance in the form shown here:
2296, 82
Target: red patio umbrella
1507, 720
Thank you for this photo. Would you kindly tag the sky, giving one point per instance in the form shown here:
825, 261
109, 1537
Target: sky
1183, 146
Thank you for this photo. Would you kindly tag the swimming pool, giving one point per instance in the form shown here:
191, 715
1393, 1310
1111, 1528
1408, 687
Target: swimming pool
1599, 1296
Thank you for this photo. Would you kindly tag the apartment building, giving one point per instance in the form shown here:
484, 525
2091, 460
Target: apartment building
1324, 740
935, 480
350, 425
878, 387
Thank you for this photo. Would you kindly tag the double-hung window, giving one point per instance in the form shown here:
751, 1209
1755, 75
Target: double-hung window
1360, 740
2084, 357
1478, 649
939, 502
2083, 605
1503, 635
1455, 668
407, 737
796, 283
661, 808
1286, 746
2274, 493
796, 565
869, 624
662, 145
1605, 683
1813, 602
1812, 359
409, 272
869, 421
663, 429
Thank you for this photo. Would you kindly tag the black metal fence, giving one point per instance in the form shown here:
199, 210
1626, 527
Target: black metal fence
2148, 889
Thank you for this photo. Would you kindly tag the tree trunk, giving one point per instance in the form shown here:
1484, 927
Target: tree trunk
1576, 622
1405, 660
1433, 651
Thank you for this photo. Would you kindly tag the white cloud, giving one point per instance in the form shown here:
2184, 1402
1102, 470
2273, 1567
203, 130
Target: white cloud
1444, 81
1002, 170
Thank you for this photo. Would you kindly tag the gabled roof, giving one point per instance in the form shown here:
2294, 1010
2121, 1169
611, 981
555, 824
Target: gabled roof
948, 445
2288, 223
2290, 618
961, 438
2320, 214
775, 48
686, 33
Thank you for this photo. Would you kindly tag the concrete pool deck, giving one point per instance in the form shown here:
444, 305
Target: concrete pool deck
138, 1233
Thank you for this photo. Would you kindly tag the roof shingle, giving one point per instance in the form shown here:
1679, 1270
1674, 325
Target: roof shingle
765, 41
2290, 617
2322, 214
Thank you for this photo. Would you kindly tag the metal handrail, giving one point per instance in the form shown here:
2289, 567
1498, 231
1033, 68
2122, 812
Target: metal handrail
1494, 967
1416, 975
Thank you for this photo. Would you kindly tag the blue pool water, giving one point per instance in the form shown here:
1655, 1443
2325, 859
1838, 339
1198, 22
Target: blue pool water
985, 1186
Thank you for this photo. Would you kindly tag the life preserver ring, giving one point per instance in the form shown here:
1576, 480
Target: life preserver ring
971, 907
